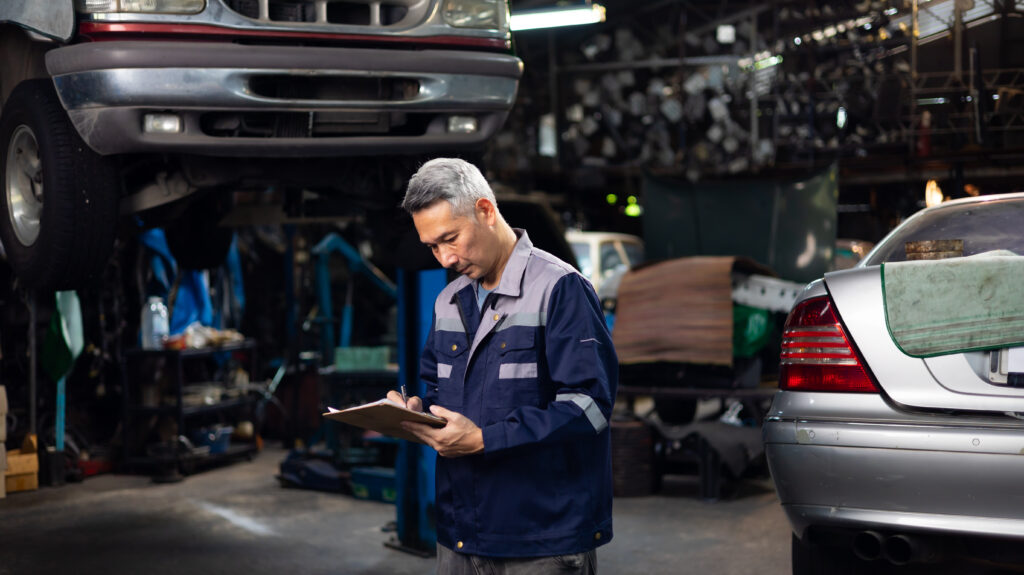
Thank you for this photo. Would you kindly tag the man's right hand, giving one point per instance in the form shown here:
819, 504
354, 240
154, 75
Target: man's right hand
414, 403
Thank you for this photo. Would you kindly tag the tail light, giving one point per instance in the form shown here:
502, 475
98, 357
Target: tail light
816, 353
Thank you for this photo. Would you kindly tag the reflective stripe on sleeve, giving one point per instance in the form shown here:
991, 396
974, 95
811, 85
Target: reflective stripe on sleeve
589, 408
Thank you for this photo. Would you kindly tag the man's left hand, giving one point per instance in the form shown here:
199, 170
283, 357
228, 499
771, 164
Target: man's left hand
459, 437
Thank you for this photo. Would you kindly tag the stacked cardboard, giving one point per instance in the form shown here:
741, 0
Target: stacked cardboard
23, 466
679, 311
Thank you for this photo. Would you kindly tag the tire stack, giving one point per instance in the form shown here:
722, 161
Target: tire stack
633, 472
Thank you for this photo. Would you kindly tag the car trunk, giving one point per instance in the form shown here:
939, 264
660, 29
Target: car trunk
954, 381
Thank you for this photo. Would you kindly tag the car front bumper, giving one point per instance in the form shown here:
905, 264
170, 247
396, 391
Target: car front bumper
107, 87
897, 475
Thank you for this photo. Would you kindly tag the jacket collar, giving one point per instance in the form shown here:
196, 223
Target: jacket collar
512, 276
511, 283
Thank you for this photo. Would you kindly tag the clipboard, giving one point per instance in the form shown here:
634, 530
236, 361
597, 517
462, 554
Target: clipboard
385, 416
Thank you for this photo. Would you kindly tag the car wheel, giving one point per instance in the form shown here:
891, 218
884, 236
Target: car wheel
60, 198
196, 239
812, 559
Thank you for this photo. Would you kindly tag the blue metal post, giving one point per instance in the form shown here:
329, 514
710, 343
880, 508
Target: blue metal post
414, 469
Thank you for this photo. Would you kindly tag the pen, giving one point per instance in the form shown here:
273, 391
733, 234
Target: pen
405, 399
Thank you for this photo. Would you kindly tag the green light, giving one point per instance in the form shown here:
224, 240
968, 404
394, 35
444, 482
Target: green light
612, 199
634, 210
631, 200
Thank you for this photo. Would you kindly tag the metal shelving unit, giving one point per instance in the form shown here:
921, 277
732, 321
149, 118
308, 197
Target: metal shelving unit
168, 366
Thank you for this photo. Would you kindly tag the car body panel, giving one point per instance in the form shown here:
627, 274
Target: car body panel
107, 87
424, 20
908, 380
52, 19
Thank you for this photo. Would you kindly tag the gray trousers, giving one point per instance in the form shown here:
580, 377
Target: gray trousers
451, 563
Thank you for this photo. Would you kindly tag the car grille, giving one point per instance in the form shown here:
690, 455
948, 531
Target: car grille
369, 13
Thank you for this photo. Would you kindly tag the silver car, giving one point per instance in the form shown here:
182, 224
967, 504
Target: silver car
881, 459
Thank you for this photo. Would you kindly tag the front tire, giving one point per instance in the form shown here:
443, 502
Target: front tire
60, 198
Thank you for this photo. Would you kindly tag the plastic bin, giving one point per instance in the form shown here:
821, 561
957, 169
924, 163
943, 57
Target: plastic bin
361, 358
374, 483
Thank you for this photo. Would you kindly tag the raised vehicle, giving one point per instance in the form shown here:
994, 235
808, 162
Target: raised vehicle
112, 107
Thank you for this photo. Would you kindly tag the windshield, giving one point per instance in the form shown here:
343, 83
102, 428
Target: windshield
582, 251
635, 253
983, 227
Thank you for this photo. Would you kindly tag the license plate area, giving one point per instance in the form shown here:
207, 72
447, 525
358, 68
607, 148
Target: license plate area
1006, 366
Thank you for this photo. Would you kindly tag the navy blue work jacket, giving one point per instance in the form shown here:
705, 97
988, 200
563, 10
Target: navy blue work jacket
536, 370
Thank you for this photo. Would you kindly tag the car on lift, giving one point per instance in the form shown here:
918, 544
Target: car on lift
896, 435
166, 107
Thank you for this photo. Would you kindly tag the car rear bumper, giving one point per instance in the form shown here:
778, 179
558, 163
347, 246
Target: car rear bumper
107, 87
898, 476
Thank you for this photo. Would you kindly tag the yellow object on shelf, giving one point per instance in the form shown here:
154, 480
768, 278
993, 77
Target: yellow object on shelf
23, 467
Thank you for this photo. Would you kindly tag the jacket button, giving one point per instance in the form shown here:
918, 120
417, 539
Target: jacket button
502, 345
496, 316
459, 544
454, 347
597, 536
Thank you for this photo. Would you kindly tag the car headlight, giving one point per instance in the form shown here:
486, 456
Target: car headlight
143, 6
473, 13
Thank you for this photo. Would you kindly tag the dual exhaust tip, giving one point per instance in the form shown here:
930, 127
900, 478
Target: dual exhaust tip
897, 549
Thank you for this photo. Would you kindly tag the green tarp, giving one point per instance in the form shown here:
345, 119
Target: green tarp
936, 307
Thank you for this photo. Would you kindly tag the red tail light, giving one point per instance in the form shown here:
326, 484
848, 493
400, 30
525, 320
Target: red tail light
817, 355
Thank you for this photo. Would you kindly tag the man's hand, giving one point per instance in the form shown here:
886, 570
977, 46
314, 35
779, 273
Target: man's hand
415, 403
460, 437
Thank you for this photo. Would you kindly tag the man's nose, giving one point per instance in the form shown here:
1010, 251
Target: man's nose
447, 258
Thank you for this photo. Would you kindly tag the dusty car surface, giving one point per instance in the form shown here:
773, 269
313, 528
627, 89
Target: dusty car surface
121, 106
892, 447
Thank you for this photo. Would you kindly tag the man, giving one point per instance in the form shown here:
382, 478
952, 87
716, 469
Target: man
521, 364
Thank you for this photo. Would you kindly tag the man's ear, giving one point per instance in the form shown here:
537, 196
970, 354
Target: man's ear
486, 212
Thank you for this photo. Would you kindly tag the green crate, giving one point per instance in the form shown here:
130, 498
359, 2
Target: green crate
361, 358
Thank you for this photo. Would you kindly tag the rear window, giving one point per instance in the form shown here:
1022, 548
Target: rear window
983, 227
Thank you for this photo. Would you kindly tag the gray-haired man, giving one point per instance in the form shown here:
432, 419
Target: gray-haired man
520, 362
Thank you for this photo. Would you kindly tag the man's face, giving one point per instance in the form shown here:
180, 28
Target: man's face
466, 244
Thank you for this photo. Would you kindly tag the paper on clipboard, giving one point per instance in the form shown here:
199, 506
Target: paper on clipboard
384, 416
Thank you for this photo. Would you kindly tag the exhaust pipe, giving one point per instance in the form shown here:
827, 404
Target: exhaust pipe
905, 549
867, 545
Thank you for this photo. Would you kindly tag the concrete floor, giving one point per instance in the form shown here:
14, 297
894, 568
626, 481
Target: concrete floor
237, 519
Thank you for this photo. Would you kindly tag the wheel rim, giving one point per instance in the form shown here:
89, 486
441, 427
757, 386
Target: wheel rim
24, 185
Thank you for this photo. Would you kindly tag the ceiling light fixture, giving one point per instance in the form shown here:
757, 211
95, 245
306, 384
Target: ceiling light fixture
555, 17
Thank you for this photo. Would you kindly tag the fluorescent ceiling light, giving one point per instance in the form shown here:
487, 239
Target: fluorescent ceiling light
571, 16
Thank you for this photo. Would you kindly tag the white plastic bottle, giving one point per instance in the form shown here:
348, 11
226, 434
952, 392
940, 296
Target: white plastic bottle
155, 326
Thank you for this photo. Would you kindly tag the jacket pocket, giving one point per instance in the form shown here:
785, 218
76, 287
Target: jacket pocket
516, 381
451, 356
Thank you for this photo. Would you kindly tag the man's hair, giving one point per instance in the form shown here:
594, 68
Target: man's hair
450, 179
